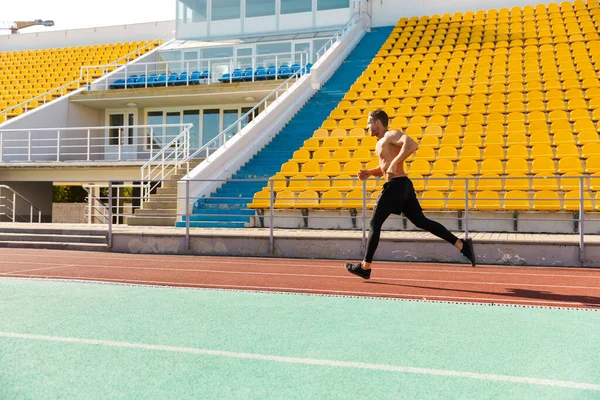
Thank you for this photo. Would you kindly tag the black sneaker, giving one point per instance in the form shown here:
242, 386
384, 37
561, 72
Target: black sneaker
358, 270
468, 251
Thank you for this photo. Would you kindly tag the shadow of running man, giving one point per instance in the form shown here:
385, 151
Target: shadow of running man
590, 301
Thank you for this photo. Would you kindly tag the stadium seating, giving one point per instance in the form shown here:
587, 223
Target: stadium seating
508, 94
30, 73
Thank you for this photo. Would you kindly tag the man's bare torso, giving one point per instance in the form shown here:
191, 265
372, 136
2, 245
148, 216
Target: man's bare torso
386, 151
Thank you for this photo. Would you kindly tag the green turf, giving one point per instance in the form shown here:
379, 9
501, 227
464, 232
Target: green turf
525, 342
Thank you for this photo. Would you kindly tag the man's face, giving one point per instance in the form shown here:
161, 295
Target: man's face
374, 126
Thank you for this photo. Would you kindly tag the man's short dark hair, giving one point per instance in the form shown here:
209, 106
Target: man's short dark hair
380, 115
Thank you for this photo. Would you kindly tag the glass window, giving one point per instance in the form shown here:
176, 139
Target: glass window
259, 8
192, 11
249, 117
273, 54
173, 118
295, 6
130, 123
301, 53
229, 117
332, 4
155, 133
244, 57
116, 120
317, 44
191, 64
225, 9
193, 117
210, 125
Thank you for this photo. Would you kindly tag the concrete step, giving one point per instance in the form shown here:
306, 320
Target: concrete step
155, 212
159, 204
37, 237
34, 229
54, 245
166, 191
151, 221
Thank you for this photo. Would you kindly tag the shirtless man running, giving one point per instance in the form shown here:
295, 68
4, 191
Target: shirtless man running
398, 194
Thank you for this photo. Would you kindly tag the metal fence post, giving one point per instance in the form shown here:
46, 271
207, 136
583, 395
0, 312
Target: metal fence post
187, 214
581, 225
363, 242
466, 208
110, 214
271, 201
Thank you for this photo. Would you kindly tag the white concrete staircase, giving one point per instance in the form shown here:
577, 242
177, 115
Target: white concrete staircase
161, 208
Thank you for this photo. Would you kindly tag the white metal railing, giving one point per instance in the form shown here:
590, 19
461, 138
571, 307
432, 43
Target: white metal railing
341, 33
98, 143
10, 201
50, 95
205, 70
228, 132
167, 161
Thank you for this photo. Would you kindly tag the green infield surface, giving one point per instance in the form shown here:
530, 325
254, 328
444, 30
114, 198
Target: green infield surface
75, 340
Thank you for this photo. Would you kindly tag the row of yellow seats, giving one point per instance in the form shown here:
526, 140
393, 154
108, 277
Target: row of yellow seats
515, 200
487, 200
543, 37
513, 151
331, 199
329, 168
439, 181
77, 49
493, 181
343, 155
567, 165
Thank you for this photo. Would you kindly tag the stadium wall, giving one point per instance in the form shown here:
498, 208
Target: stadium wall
88, 36
388, 12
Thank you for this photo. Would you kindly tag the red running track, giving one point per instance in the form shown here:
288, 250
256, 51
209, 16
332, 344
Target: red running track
527, 286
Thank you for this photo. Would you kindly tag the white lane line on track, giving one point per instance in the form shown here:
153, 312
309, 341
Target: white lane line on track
309, 361
37, 269
347, 276
499, 300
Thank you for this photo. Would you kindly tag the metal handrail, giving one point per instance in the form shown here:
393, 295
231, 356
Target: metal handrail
148, 177
14, 201
339, 34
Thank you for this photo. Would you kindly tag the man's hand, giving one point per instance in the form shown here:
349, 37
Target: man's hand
363, 174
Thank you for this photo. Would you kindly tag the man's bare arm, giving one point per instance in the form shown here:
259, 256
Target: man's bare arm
365, 173
407, 147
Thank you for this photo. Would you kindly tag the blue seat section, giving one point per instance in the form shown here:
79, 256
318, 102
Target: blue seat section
284, 71
227, 207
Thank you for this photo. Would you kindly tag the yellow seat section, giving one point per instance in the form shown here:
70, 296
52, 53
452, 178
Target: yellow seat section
572, 201
433, 200
285, 199
331, 199
261, 199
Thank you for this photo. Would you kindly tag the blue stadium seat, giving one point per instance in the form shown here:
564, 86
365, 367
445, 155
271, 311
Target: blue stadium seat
237, 76
173, 77
140, 82
272, 73
182, 80
131, 81
205, 74
284, 72
118, 84
152, 79
195, 78
225, 78
260, 74
160, 81
295, 68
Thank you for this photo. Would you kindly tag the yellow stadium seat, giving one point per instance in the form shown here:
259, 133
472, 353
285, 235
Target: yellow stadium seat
517, 165
451, 140
331, 168
307, 199
344, 182
301, 156
285, 199
487, 200
425, 153
420, 167
331, 199
456, 201
309, 168
587, 137
563, 137
467, 166
321, 155
438, 181
448, 152
289, 168
311, 144
572, 201
261, 199
432, 200
355, 199
545, 181
472, 139
278, 181
298, 183
469, 151
516, 200
320, 183
489, 181
341, 155
567, 150
418, 181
